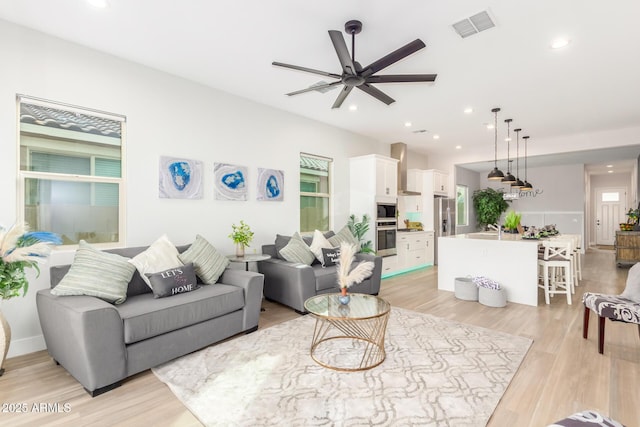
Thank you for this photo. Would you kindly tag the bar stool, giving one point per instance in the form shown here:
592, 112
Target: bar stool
575, 255
556, 255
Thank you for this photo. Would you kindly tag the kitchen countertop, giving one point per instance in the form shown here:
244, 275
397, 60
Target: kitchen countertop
410, 230
493, 235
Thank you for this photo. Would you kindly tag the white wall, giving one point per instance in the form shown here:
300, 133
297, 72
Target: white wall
170, 116
472, 180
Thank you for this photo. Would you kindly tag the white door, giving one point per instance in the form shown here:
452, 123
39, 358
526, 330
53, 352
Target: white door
610, 211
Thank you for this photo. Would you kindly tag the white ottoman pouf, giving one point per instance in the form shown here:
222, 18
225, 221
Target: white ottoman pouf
465, 289
492, 297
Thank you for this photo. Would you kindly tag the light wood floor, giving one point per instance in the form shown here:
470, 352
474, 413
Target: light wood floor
561, 374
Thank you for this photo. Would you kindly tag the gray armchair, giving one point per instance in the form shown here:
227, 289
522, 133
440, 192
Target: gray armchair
292, 283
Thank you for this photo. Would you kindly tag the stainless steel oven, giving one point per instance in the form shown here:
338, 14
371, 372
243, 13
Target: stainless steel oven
386, 230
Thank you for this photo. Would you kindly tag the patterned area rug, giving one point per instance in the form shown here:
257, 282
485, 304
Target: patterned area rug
437, 373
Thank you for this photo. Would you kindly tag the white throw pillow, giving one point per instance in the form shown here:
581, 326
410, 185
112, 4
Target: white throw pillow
318, 243
160, 256
632, 289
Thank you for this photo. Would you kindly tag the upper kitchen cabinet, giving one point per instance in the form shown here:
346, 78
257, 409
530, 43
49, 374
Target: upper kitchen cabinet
431, 181
374, 168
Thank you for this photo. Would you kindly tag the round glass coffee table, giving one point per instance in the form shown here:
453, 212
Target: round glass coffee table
348, 337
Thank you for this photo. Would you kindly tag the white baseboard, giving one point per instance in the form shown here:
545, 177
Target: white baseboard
26, 345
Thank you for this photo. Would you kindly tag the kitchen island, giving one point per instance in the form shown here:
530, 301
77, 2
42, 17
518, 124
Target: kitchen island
507, 259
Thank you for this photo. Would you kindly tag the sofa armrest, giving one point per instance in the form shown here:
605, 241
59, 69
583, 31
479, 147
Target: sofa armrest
376, 274
252, 283
270, 250
85, 335
288, 283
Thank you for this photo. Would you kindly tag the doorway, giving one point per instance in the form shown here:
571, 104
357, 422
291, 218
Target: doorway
610, 211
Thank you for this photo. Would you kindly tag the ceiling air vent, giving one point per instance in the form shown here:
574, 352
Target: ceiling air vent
474, 24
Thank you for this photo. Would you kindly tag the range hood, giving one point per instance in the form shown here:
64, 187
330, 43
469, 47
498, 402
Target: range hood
399, 152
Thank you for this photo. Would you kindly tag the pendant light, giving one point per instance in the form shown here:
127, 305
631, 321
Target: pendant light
518, 183
508, 178
527, 184
496, 174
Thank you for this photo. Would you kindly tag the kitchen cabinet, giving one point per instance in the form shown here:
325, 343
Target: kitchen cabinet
437, 182
389, 264
627, 247
413, 249
373, 178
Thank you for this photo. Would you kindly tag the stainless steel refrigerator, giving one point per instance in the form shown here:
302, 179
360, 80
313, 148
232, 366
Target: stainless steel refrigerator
444, 218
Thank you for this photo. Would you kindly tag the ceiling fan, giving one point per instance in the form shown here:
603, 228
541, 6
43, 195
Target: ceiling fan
354, 75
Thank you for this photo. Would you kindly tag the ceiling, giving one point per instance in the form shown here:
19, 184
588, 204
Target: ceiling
589, 86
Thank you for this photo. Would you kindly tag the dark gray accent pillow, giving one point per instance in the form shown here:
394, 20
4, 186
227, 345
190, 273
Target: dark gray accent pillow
173, 281
281, 242
330, 256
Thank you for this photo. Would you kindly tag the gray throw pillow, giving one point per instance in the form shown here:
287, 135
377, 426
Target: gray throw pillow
297, 251
330, 256
208, 262
281, 242
173, 281
98, 274
344, 235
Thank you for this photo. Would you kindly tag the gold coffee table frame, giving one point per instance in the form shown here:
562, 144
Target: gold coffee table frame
364, 319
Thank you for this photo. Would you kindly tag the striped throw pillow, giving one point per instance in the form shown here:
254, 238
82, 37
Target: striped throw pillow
208, 262
97, 274
344, 235
297, 251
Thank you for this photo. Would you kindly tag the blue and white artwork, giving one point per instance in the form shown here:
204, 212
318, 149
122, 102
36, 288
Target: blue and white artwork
180, 178
270, 185
230, 182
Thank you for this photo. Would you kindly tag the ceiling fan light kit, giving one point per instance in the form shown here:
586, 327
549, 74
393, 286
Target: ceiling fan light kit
354, 75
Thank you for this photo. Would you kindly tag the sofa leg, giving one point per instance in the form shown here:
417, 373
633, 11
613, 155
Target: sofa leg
585, 323
248, 331
601, 334
101, 390
302, 313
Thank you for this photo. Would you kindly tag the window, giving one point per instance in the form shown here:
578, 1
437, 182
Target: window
70, 176
315, 194
611, 197
462, 205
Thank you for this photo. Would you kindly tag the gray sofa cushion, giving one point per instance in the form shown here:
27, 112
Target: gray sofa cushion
145, 317
325, 277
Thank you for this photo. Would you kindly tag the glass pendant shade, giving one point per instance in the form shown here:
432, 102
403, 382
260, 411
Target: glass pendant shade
496, 174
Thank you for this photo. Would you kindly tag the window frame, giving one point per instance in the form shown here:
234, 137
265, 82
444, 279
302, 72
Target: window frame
24, 175
318, 195
466, 205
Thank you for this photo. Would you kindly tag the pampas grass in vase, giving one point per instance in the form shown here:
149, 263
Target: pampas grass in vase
347, 276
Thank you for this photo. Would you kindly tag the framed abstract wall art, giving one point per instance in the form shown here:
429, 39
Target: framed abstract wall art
180, 178
230, 182
270, 185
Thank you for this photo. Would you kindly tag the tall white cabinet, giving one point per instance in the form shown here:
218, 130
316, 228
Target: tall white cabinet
372, 178
429, 183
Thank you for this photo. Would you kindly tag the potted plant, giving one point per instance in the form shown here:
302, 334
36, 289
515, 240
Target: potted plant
512, 222
359, 230
489, 205
241, 236
19, 249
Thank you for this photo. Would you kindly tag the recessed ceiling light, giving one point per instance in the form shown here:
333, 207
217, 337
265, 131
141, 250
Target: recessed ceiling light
559, 43
507, 140
353, 107
609, 166
98, 3
468, 110
609, 171
489, 125
407, 124
458, 147
436, 136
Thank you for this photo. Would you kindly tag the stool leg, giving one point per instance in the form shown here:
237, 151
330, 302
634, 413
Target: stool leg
601, 334
585, 323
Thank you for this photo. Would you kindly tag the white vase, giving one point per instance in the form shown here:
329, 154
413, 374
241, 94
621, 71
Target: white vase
5, 340
239, 250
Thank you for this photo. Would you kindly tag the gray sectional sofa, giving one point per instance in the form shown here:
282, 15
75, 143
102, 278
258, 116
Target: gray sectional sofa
100, 343
291, 283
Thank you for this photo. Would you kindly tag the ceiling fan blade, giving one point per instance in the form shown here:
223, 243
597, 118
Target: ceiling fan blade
376, 93
311, 88
346, 90
393, 57
402, 78
307, 70
343, 53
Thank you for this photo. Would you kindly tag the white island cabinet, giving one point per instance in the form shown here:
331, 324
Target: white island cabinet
510, 261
